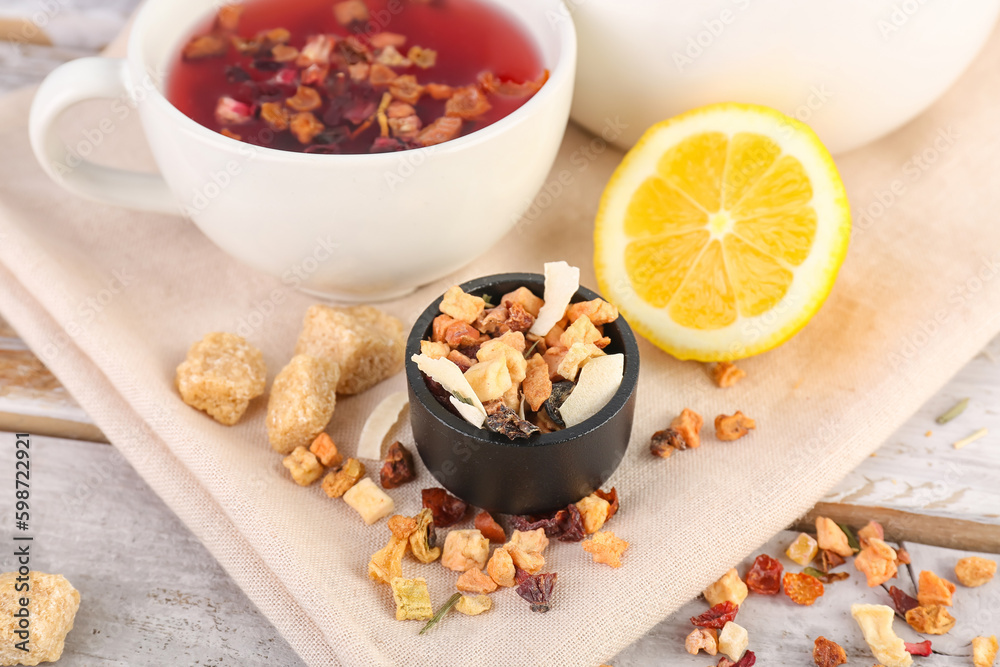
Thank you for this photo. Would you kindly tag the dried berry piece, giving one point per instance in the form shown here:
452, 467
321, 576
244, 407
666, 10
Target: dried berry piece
919, 648
565, 525
748, 660
398, 467
446, 508
536, 589
802, 588
505, 421
902, 600
828, 653
764, 577
612, 498
490, 529
560, 392
717, 616
734, 427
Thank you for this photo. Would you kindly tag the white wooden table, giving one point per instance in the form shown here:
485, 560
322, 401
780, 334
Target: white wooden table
153, 595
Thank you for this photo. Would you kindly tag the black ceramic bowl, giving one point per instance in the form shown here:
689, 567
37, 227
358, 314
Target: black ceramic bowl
543, 473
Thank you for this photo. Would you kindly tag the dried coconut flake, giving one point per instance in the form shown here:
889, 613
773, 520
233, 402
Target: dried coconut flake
379, 423
597, 384
450, 376
561, 283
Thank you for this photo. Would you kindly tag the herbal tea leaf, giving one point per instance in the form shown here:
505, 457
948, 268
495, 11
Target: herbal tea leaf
452, 601
955, 411
852, 540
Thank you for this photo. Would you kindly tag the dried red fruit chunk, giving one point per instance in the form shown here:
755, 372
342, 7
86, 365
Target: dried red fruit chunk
490, 529
565, 525
717, 616
748, 660
919, 648
612, 498
802, 588
397, 468
535, 588
446, 508
903, 601
765, 576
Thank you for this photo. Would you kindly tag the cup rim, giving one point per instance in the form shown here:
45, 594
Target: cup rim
429, 402
562, 73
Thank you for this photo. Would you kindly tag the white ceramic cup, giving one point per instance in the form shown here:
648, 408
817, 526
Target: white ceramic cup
853, 70
350, 227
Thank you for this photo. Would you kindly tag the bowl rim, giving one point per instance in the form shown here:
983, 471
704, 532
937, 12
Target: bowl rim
618, 402
562, 73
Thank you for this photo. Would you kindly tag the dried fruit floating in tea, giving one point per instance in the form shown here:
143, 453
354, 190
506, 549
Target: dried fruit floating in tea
446, 508
717, 616
802, 588
536, 589
764, 576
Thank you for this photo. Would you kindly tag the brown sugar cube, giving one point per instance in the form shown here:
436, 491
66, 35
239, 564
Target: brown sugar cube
366, 343
221, 374
303, 465
302, 400
336, 484
326, 451
51, 604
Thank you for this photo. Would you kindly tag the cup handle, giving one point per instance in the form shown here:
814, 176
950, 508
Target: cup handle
76, 81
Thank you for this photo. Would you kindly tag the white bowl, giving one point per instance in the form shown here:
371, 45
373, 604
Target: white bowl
352, 227
853, 70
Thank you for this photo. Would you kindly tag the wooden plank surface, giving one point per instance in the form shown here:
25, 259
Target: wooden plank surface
151, 594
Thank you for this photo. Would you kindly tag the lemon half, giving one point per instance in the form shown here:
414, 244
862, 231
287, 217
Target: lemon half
721, 232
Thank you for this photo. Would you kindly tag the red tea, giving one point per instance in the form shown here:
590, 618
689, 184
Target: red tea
355, 76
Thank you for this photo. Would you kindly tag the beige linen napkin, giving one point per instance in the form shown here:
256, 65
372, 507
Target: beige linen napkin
111, 299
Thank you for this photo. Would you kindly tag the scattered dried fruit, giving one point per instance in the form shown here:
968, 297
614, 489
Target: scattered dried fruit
565, 525
729, 428
733, 640
875, 621
699, 639
413, 601
491, 530
595, 512
423, 540
387, 563
717, 616
920, 648
465, 550
726, 374
536, 589
803, 549
878, 562
764, 576
984, 651
336, 484
447, 509
802, 588
397, 468
303, 465
501, 568
827, 653
902, 600
369, 501
474, 581
532, 541
221, 374
975, 571
326, 451
729, 587
930, 620
605, 547
474, 605
830, 536
826, 577
872, 529
933, 590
